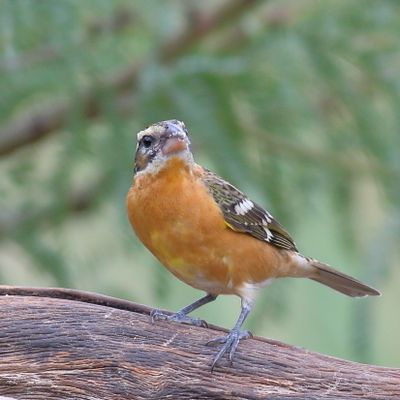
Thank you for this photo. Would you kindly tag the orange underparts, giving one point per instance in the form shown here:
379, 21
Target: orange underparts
177, 219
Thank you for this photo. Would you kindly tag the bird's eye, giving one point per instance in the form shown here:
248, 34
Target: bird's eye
147, 141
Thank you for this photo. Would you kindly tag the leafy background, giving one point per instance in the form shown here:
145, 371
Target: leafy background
295, 102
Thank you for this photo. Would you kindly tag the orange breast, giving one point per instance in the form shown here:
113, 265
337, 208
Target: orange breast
174, 215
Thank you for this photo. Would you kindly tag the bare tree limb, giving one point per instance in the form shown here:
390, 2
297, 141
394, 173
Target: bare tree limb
35, 125
67, 344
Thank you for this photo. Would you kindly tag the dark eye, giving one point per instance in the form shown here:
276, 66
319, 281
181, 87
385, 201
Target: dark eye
147, 141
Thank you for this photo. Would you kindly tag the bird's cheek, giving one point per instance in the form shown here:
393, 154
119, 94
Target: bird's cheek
141, 161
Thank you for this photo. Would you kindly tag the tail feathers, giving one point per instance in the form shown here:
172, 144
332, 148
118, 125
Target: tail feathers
341, 282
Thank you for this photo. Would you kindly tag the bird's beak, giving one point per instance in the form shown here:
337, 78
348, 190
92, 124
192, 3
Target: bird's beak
174, 144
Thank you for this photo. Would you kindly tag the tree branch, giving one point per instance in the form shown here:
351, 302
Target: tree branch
60, 343
35, 125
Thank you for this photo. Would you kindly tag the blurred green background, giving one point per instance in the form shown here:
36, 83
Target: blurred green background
295, 102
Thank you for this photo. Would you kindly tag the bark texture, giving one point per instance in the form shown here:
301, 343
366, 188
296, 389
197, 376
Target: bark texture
66, 344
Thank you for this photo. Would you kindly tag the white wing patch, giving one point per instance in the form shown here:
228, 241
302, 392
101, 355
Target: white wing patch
268, 233
243, 207
267, 217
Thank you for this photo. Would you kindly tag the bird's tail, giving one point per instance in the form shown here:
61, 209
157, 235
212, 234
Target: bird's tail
341, 282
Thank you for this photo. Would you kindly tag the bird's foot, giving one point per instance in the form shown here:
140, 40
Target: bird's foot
230, 343
177, 317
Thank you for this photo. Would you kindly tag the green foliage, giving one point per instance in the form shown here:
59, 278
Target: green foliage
296, 102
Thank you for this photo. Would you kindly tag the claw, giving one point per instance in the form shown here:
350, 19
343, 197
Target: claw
216, 341
178, 317
158, 315
231, 342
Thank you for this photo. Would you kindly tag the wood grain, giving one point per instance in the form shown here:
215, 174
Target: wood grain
66, 344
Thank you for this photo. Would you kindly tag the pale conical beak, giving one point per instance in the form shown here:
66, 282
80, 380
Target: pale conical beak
174, 144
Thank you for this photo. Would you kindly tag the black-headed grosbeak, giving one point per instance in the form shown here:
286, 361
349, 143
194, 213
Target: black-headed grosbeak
211, 235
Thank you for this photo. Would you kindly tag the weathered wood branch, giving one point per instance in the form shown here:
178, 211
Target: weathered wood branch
66, 344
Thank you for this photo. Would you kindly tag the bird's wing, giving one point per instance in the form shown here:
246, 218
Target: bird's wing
243, 215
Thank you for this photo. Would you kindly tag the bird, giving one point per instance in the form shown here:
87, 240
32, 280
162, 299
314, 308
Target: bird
210, 235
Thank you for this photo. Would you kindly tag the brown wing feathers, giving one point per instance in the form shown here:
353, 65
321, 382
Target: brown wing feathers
243, 215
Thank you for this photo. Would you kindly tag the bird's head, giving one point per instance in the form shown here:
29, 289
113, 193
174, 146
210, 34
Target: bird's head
160, 142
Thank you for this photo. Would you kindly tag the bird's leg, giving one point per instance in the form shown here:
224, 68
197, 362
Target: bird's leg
181, 316
231, 340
